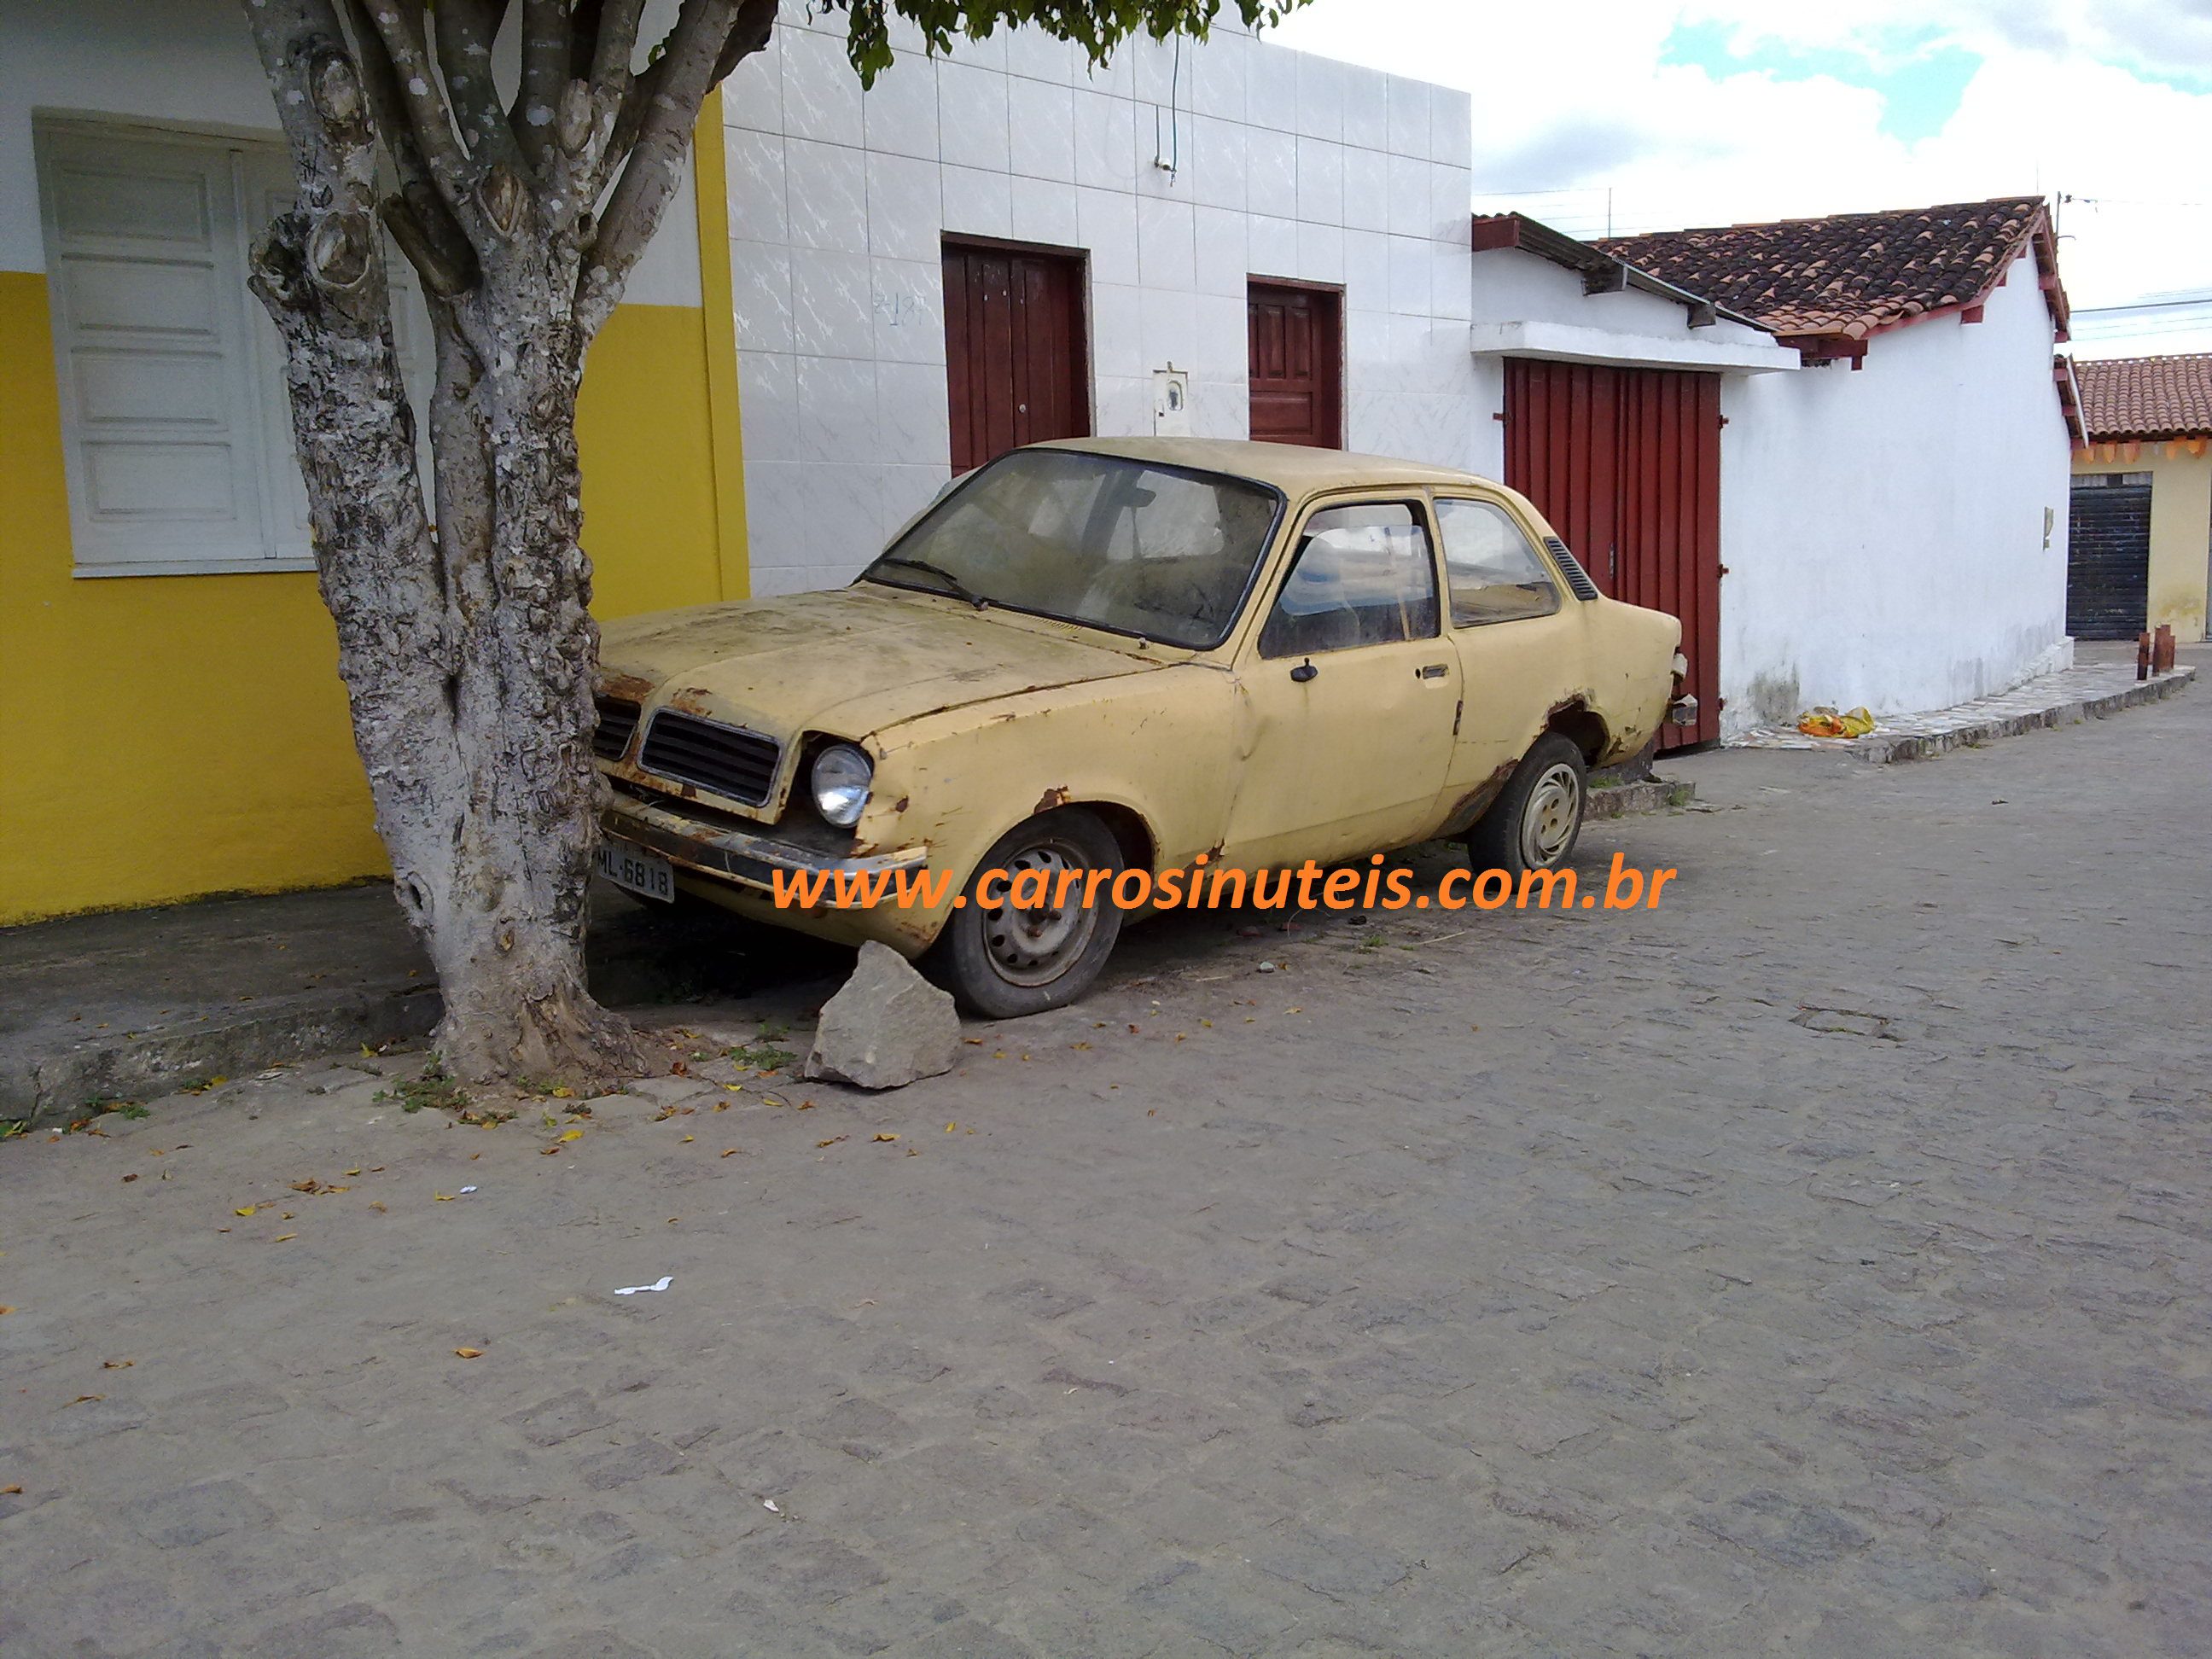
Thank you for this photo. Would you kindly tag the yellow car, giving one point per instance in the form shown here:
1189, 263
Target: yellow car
1123, 654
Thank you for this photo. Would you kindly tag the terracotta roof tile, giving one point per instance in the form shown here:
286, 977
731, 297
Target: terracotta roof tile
2147, 396
1848, 274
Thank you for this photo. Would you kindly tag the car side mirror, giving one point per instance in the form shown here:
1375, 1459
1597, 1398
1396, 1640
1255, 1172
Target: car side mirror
1304, 672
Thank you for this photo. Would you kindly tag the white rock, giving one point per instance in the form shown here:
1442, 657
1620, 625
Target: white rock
886, 1027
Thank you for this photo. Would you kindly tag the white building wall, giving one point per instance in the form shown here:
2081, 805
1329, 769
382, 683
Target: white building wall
1288, 165
1524, 305
1885, 530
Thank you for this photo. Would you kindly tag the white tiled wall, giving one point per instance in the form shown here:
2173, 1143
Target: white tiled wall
1286, 165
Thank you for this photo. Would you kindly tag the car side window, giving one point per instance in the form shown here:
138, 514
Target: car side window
1362, 575
1493, 573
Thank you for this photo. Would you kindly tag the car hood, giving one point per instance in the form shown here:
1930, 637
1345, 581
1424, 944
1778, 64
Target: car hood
850, 661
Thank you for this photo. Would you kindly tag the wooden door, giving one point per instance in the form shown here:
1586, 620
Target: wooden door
1625, 463
1017, 369
1297, 365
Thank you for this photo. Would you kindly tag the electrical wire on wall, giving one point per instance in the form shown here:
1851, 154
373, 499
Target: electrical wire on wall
1168, 157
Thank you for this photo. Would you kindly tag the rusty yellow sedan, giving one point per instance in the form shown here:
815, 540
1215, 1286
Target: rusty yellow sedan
1125, 655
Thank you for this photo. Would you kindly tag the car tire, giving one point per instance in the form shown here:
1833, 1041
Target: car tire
1537, 818
1001, 962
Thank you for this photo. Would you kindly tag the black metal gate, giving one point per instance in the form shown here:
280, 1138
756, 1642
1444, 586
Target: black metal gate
2108, 556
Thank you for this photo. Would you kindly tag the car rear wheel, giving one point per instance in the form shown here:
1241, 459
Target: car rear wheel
1002, 959
1536, 820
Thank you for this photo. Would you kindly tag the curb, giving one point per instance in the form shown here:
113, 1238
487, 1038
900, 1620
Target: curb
1619, 801
1882, 751
54, 1082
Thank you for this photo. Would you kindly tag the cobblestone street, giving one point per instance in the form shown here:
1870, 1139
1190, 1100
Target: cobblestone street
1816, 1264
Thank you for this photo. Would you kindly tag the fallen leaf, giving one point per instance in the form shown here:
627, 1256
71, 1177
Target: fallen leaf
950, 1127
7, 1310
444, 1198
10, 1492
281, 1237
470, 1353
832, 1141
564, 1093
248, 1210
311, 1185
973, 1043
376, 1204
116, 1364
733, 1151
690, 1137
542, 1151
570, 1134
352, 1172
87, 1399
129, 1178
886, 1137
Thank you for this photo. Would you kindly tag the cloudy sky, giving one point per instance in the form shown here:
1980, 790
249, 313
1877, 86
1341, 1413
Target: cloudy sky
1711, 111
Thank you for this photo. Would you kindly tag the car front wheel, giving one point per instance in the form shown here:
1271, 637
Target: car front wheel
1004, 959
1535, 821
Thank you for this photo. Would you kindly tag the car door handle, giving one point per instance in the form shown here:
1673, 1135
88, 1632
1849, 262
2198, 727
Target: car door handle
1435, 670
1304, 672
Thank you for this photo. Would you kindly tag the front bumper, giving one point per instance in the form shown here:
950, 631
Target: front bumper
750, 857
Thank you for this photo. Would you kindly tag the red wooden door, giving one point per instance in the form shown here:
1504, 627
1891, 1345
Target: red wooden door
1016, 369
1297, 365
1626, 464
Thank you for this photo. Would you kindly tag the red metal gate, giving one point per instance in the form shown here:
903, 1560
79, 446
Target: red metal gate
1015, 370
1626, 464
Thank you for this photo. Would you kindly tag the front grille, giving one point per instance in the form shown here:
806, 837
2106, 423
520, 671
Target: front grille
735, 764
617, 725
1577, 578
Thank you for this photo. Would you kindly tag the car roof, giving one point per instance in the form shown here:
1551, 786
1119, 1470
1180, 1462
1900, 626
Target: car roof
1292, 468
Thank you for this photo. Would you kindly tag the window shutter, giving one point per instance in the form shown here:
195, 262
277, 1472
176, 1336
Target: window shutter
159, 414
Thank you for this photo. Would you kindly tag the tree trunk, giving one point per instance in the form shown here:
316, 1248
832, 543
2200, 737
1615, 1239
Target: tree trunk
467, 645
467, 650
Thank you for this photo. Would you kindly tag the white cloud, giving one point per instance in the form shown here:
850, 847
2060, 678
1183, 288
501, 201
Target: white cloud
2069, 96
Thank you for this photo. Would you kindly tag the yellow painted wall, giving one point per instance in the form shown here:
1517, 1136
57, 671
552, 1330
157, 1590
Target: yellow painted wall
2180, 524
164, 738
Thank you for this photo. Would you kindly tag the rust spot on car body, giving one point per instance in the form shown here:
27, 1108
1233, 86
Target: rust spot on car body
691, 700
1053, 798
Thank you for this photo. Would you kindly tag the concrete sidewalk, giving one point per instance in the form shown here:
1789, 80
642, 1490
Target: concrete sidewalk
2102, 682
136, 1003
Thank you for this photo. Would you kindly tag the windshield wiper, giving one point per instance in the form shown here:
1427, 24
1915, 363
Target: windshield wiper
960, 588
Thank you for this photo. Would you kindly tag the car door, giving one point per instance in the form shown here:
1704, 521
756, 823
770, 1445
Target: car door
1519, 642
1347, 692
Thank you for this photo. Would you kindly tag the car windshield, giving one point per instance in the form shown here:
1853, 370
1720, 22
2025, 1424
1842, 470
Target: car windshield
1116, 543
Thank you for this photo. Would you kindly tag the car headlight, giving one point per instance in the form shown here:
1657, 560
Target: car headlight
842, 776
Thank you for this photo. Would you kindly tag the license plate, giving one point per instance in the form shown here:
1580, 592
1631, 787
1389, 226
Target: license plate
636, 871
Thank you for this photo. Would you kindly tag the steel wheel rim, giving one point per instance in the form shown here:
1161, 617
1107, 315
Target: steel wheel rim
1548, 821
1034, 944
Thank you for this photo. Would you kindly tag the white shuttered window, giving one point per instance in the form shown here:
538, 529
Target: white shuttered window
175, 419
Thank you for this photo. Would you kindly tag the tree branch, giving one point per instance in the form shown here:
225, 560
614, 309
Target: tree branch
545, 49
709, 39
290, 35
419, 219
398, 26
466, 30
